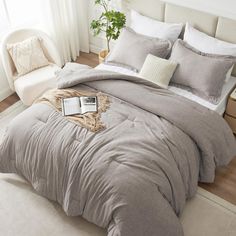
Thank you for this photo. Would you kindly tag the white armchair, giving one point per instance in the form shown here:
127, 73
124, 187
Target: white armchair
33, 84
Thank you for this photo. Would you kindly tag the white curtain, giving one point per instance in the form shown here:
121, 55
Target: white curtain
67, 23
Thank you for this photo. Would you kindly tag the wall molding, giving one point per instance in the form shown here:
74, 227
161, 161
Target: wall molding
95, 48
5, 93
99, 43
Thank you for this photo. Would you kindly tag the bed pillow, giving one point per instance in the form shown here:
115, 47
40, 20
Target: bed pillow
154, 28
203, 73
132, 49
27, 55
158, 70
208, 44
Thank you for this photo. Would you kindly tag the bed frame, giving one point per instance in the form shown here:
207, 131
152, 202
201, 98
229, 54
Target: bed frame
216, 26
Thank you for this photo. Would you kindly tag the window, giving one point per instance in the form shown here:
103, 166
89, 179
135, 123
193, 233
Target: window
18, 13
4, 22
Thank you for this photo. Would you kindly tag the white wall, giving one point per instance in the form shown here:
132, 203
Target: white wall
96, 43
226, 8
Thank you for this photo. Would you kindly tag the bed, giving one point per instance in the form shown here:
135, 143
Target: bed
133, 173
219, 108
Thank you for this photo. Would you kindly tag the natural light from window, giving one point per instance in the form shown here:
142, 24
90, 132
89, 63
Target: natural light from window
18, 13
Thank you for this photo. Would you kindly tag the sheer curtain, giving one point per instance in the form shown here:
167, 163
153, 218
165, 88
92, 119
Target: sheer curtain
67, 23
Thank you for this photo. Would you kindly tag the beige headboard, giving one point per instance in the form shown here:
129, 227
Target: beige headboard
216, 26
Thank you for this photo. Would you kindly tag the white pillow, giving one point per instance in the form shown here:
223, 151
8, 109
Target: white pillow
158, 70
27, 55
208, 44
153, 28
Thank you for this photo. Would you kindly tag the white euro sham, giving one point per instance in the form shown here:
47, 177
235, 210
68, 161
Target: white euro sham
154, 28
206, 43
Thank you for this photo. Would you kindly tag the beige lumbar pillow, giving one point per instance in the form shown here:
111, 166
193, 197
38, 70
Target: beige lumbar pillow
158, 70
27, 55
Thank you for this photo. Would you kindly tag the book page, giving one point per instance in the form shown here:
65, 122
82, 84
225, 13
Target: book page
71, 106
88, 104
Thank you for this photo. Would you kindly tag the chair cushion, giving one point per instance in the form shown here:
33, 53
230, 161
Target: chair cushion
32, 85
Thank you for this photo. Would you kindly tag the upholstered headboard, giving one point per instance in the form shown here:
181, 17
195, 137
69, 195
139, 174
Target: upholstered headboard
216, 26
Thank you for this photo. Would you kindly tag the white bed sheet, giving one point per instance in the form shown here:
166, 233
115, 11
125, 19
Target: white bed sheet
219, 108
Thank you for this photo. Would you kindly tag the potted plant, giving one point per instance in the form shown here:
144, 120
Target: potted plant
110, 22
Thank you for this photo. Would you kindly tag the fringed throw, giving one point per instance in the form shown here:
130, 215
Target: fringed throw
90, 121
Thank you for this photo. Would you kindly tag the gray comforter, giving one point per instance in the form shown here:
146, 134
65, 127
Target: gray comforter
133, 177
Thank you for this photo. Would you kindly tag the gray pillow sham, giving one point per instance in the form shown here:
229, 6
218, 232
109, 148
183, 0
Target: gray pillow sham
204, 74
132, 49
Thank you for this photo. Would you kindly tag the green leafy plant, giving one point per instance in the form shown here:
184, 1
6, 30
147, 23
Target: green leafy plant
110, 22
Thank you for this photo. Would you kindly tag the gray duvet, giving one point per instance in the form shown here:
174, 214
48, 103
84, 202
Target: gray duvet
133, 177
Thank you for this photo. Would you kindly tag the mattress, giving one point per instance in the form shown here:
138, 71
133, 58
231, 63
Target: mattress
219, 108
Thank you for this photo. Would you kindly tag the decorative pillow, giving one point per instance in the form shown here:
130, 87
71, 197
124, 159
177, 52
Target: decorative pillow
132, 49
158, 70
203, 73
208, 44
154, 28
27, 55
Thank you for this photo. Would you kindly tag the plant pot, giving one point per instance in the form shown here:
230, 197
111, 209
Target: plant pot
102, 55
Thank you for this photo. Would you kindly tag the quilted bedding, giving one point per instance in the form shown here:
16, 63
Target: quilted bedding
133, 177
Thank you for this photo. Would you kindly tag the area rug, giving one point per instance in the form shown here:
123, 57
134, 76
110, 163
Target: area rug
7, 115
24, 213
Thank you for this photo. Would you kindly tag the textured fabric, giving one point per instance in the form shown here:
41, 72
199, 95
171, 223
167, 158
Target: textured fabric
132, 178
203, 73
132, 49
153, 28
90, 121
226, 31
208, 44
27, 55
158, 70
201, 20
219, 107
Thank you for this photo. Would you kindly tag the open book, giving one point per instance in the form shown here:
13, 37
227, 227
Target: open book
78, 105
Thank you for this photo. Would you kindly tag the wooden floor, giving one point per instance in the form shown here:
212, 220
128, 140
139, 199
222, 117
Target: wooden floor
225, 182
90, 59
8, 102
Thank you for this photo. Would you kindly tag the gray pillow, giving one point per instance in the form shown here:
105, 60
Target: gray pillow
204, 74
132, 49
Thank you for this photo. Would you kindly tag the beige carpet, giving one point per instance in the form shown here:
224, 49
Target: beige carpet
24, 213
